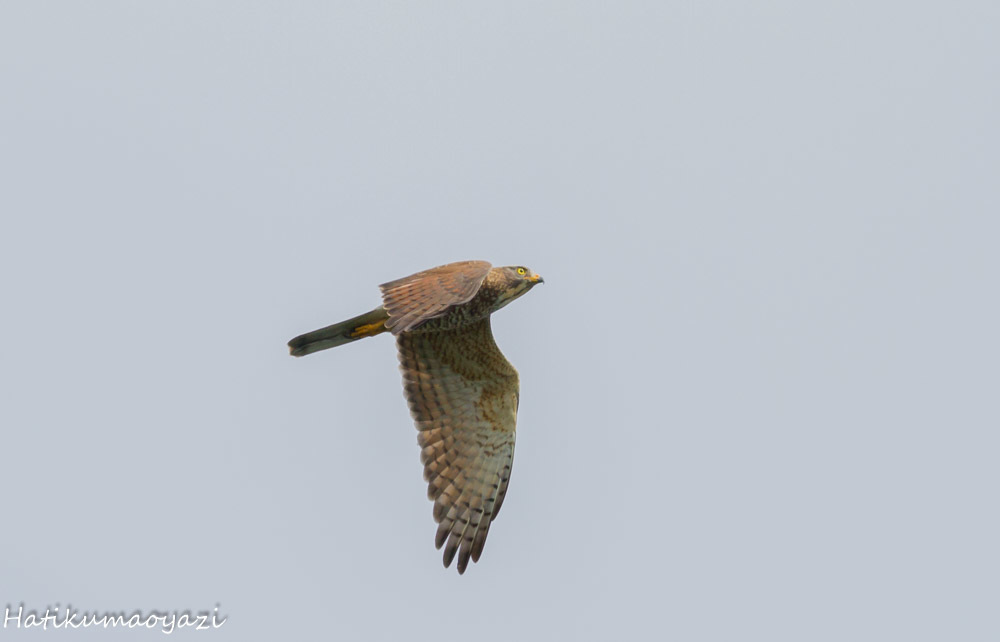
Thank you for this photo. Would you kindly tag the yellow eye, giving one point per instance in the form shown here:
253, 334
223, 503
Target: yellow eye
521, 271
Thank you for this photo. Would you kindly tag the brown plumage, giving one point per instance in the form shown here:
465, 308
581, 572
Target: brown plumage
462, 392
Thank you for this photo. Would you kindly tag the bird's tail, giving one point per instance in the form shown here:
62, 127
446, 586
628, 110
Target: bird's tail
366, 325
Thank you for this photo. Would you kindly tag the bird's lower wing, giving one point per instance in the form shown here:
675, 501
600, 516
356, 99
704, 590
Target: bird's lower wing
463, 396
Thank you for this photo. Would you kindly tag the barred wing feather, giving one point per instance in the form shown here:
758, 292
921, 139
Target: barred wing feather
463, 396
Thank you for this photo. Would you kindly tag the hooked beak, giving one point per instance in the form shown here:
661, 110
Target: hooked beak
536, 278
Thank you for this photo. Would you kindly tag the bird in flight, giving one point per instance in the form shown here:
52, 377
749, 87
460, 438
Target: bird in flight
462, 392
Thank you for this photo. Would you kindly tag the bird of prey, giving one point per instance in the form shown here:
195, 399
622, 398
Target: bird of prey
462, 392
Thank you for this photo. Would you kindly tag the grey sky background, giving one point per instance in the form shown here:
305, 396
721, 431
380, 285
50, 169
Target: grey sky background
759, 387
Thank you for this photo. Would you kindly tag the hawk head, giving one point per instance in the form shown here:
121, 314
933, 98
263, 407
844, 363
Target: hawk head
514, 280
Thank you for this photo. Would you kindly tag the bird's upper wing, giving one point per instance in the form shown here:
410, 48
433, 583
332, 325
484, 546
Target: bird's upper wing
463, 395
425, 295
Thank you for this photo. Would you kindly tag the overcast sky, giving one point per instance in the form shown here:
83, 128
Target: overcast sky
759, 388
